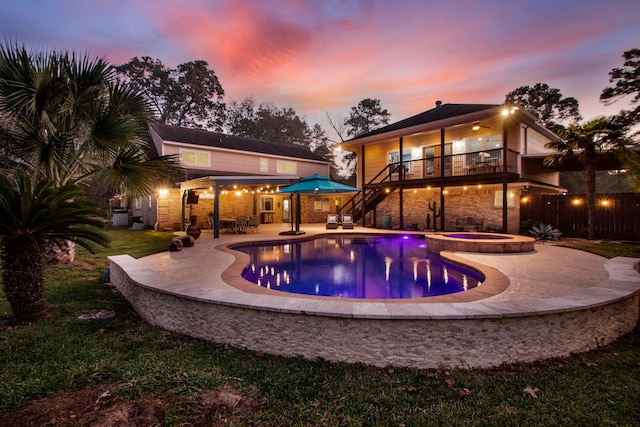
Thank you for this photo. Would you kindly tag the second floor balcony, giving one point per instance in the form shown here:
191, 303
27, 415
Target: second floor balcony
455, 167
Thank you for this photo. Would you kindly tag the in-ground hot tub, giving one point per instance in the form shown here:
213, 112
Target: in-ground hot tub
479, 242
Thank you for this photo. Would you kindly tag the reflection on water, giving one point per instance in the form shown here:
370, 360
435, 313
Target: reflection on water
383, 267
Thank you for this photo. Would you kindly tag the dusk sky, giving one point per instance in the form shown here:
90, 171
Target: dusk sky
318, 56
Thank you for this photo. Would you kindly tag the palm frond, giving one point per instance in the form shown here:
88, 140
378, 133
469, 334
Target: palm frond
43, 211
133, 173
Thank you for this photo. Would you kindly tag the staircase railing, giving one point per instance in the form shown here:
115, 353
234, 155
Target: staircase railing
371, 192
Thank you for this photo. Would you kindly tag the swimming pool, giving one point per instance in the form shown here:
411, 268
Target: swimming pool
372, 267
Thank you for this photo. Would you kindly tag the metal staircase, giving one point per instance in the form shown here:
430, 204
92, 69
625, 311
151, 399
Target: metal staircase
374, 192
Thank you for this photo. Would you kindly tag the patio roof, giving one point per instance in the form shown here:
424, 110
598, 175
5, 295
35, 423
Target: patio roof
207, 181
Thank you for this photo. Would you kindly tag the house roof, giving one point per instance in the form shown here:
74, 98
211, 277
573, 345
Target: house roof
220, 140
444, 115
440, 112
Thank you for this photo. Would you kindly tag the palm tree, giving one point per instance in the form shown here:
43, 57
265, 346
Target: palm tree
587, 142
66, 124
67, 118
633, 172
31, 215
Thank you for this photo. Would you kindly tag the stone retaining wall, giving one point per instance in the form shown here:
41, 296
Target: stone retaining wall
465, 335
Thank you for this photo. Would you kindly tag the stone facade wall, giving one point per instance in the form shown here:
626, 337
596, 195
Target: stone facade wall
471, 342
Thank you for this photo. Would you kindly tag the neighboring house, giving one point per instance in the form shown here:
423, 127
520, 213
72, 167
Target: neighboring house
243, 174
462, 160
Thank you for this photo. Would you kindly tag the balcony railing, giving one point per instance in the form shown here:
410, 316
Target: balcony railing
455, 165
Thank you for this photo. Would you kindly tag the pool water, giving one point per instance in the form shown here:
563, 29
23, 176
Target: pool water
380, 267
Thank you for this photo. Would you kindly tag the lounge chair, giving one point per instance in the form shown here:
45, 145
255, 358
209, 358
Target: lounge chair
347, 222
332, 221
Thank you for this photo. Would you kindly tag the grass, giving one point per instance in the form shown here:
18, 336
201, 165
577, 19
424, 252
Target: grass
63, 354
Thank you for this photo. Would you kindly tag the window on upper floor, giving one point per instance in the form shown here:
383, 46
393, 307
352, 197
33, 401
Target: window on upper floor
286, 167
195, 158
264, 164
406, 160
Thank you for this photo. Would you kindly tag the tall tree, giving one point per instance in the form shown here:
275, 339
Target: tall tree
321, 145
65, 122
368, 115
627, 82
586, 142
267, 122
190, 95
364, 117
549, 105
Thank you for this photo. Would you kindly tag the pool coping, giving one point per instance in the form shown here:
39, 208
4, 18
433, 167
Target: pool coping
494, 283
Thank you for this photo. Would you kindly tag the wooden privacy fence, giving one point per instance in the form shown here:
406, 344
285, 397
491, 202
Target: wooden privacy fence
617, 216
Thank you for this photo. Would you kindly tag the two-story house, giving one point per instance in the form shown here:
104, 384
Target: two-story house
453, 161
230, 176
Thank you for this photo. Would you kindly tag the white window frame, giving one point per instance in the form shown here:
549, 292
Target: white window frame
264, 204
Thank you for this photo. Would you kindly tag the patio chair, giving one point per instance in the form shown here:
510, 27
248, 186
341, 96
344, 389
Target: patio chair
332, 221
254, 222
241, 224
347, 222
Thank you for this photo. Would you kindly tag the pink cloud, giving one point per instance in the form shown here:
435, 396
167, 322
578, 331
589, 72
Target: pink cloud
317, 56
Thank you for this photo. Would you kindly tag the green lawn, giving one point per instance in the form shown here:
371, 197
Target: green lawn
64, 356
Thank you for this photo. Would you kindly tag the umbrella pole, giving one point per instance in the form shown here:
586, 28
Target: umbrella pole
297, 217
291, 213
297, 212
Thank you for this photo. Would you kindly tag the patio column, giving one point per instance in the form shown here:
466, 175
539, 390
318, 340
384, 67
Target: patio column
442, 153
362, 178
216, 210
183, 198
401, 189
505, 176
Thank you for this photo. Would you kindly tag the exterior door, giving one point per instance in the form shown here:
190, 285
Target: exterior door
286, 210
433, 159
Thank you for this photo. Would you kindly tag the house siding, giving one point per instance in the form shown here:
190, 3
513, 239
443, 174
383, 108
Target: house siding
536, 143
238, 162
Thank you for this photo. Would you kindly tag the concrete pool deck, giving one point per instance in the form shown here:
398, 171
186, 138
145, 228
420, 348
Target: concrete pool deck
541, 274
556, 300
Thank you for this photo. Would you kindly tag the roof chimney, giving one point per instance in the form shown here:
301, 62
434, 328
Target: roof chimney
438, 104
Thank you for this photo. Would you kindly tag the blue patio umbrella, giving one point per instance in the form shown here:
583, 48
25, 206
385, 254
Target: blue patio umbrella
313, 184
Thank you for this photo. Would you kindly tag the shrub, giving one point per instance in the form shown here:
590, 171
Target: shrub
545, 232
526, 225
